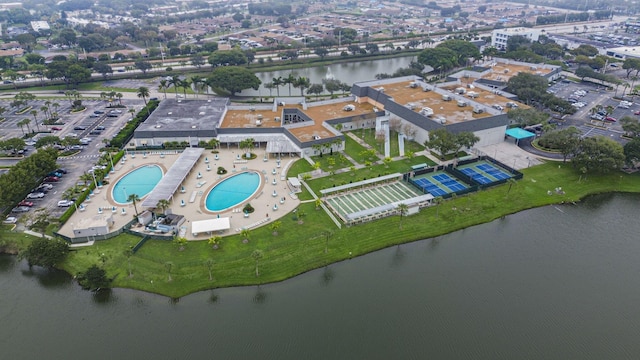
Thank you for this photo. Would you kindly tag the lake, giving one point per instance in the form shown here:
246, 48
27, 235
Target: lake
559, 282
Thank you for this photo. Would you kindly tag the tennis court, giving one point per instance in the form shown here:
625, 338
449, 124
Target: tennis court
484, 173
439, 184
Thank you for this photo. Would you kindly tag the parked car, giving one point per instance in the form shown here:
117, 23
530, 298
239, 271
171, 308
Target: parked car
65, 203
38, 195
55, 128
94, 115
61, 171
112, 115
25, 203
99, 112
10, 220
79, 128
100, 128
20, 209
610, 119
55, 174
636, 112
45, 186
95, 132
51, 179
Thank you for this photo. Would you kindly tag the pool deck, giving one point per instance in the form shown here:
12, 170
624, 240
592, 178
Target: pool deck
196, 190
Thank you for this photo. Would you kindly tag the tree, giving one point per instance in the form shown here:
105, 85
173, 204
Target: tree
257, 255
511, 181
315, 89
525, 117
289, 80
233, 57
517, 42
439, 58
209, 264
181, 242
163, 87
332, 85
143, 66
143, 92
442, 141
630, 125
94, 279
438, 200
39, 220
45, 252
134, 198
214, 241
301, 83
466, 140
103, 69
274, 226
632, 152
197, 60
234, 79
163, 205
321, 52
246, 234
598, 154
403, 209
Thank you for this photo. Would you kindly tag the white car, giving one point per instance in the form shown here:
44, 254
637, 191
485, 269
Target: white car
10, 220
65, 203
35, 195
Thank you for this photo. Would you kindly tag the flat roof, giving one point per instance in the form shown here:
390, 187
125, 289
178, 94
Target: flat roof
501, 71
210, 225
361, 183
403, 94
185, 115
336, 110
249, 118
169, 183
519, 133
485, 97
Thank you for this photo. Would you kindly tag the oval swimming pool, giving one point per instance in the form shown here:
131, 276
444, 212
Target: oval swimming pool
232, 191
139, 181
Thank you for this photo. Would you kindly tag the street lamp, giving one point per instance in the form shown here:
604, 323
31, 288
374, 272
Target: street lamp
95, 182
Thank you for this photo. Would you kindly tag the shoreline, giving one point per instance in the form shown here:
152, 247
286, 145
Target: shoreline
298, 249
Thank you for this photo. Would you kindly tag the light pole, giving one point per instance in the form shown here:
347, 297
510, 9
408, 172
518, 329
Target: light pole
95, 182
124, 190
111, 160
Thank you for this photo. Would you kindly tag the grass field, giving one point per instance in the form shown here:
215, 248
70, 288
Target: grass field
298, 248
357, 151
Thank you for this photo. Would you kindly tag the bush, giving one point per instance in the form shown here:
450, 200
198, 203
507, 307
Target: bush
221, 170
248, 209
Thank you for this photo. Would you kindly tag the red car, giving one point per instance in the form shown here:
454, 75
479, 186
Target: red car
611, 119
25, 203
637, 112
55, 128
51, 179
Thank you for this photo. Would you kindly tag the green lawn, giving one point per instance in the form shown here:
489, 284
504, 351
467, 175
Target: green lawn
412, 146
340, 161
300, 248
356, 151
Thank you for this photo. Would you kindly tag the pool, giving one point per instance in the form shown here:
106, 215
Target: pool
139, 181
232, 191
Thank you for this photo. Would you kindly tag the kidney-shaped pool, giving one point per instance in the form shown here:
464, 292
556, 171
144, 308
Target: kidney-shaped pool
139, 181
232, 191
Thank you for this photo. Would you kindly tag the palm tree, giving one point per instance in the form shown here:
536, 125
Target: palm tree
163, 87
275, 226
269, 86
163, 205
437, 200
402, 210
256, 255
27, 122
175, 82
134, 198
21, 123
209, 264
276, 83
196, 81
185, 84
35, 118
245, 234
119, 96
511, 182
143, 92
214, 241
302, 83
289, 80
168, 265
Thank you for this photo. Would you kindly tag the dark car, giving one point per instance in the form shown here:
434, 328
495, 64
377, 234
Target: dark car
51, 179
100, 128
20, 209
61, 171
79, 128
112, 115
98, 112
95, 132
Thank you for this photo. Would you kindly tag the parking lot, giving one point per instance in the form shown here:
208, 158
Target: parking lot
93, 128
592, 95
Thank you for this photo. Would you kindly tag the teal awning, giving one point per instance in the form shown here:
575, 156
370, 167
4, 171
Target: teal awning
519, 133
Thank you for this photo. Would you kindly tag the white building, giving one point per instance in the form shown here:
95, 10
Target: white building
40, 25
499, 37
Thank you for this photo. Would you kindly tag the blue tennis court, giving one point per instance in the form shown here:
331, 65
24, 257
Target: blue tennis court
430, 187
439, 184
485, 173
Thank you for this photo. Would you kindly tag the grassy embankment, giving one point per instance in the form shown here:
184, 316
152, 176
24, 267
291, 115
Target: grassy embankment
298, 248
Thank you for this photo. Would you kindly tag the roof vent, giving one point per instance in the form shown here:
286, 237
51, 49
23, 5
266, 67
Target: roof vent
201, 113
158, 126
209, 100
193, 126
169, 113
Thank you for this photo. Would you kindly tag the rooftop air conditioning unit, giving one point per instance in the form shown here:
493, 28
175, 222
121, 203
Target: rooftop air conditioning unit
461, 90
462, 103
381, 89
277, 118
411, 106
441, 120
506, 71
349, 108
413, 85
426, 111
258, 122
478, 110
446, 97
426, 89
259, 116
